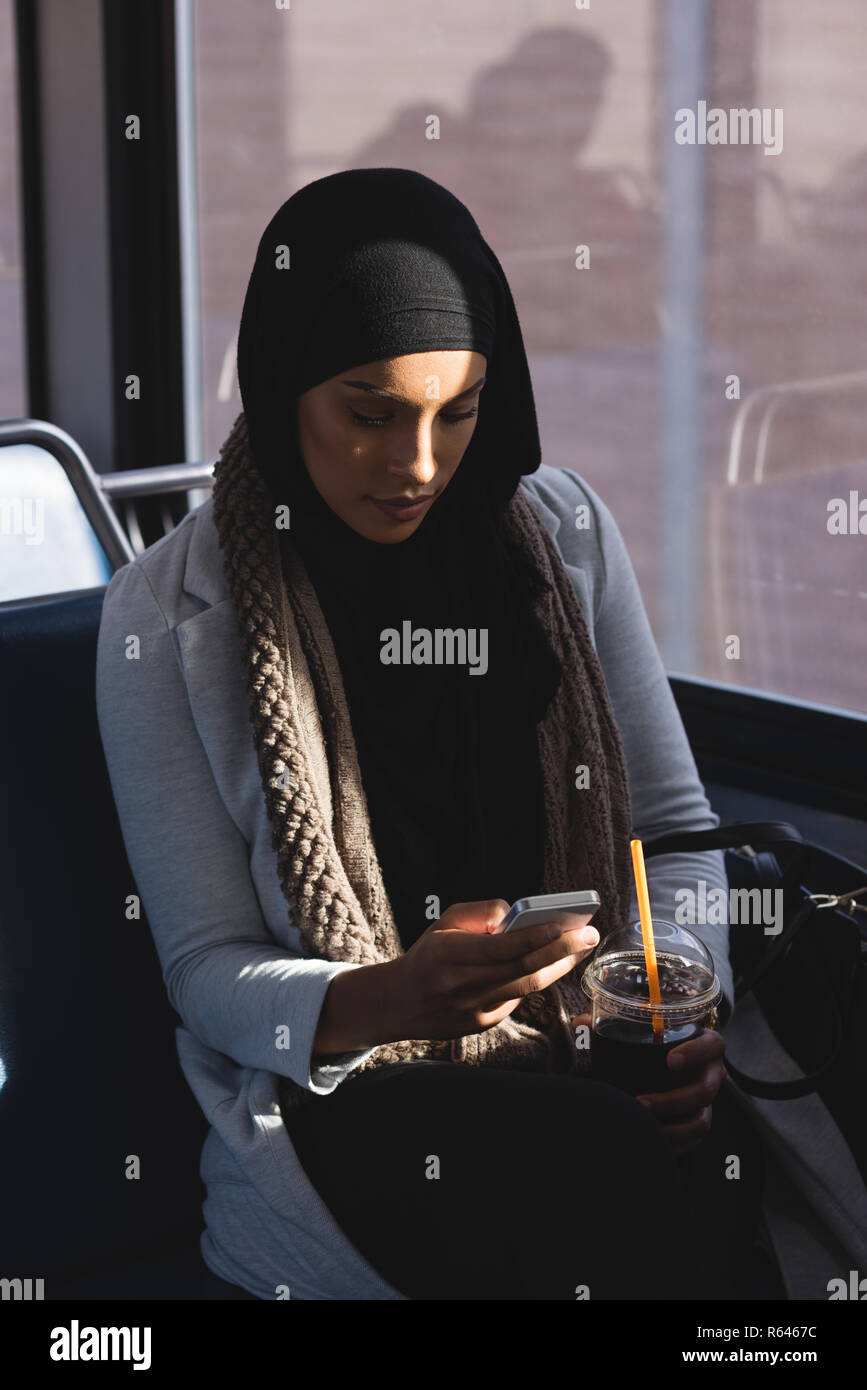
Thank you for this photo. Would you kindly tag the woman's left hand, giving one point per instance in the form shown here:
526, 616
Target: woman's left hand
685, 1112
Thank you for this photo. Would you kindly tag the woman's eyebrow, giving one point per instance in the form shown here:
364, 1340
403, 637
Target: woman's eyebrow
378, 391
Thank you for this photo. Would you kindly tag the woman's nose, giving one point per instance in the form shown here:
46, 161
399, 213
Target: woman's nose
414, 458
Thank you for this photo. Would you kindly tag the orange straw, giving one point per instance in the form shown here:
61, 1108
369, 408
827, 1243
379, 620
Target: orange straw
647, 934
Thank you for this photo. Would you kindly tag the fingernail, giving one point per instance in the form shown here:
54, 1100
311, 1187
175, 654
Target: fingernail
675, 1059
642, 1100
591, 937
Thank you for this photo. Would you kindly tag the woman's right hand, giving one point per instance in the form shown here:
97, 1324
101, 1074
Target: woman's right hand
459, 979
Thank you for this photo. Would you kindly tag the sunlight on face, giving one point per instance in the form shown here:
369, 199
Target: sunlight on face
393, 429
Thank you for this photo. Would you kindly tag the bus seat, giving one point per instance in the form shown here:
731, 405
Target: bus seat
101, 1134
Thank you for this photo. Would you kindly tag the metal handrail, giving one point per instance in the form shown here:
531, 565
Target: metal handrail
772, 397
95, 491
170, 477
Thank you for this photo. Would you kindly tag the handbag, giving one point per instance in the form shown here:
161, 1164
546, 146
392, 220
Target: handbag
810, 979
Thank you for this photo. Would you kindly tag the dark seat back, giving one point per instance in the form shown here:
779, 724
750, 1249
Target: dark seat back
86, 1030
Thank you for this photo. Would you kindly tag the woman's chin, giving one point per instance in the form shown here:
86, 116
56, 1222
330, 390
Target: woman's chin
373, 524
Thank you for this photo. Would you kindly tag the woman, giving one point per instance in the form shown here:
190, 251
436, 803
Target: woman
392, 1089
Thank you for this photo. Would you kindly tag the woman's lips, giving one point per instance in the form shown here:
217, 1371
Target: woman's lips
402, 512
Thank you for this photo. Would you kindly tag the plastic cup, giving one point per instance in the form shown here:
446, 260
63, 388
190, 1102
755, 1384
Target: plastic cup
625, 1051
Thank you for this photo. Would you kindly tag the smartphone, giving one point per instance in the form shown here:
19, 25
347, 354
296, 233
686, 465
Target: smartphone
548, 907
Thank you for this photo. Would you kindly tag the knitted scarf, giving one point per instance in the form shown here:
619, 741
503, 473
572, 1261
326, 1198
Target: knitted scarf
315, 800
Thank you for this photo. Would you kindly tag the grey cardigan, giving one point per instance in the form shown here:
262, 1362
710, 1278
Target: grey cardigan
178, 744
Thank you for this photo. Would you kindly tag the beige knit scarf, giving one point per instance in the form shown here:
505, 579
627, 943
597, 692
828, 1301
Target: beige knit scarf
315, 800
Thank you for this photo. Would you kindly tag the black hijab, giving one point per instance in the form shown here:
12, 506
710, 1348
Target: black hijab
356, 267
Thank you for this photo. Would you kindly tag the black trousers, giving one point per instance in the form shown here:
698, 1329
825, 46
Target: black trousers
460, 1182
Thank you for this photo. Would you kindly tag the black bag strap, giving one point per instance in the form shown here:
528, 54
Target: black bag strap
771, 832
768, 873
762, 833
787, 1090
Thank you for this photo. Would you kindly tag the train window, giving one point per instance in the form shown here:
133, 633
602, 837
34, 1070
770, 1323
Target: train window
12, 356
46, 541
692, 305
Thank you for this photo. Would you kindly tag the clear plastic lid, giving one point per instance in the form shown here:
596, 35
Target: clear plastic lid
616, 976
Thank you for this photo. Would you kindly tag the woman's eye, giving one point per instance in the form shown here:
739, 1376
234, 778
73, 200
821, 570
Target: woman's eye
369, 419
376, 420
